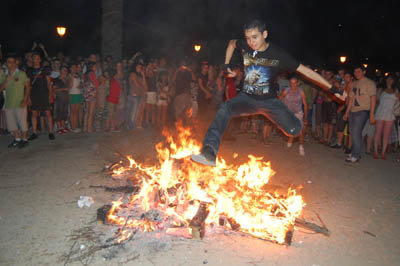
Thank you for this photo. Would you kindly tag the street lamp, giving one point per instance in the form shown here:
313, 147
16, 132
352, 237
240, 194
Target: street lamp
342, 59
197, 47
61, 31
365, 65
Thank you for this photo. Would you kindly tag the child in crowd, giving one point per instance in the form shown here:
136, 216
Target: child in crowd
90, 88
60, 87
163, 93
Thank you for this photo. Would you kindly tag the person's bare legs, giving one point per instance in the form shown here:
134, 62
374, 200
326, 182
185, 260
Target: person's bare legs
139, 120
387, 129
50, 123
91, 111
35, 122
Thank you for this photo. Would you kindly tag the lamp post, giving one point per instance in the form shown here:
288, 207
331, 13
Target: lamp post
61, 31
342, 59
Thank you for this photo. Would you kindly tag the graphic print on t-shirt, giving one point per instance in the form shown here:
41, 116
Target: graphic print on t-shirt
257, 74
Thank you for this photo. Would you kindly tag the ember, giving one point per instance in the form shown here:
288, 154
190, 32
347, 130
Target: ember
179, 193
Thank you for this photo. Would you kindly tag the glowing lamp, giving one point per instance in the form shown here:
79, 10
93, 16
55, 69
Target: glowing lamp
343, 59
197, 47
365, 65
61, 31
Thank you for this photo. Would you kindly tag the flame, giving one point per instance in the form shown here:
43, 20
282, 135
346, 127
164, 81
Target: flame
176, 187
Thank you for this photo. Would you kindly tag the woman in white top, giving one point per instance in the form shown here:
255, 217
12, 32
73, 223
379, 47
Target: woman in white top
75, 93
384, 116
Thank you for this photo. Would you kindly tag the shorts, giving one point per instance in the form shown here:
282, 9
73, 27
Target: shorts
328, 113
17, 118
162, 102
151, 97
341, 124
318, 114
75, 98
111, 110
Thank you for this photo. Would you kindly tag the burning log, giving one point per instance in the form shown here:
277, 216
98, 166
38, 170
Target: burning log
121, 189
102, 213
313, 227
197, 224
289, 236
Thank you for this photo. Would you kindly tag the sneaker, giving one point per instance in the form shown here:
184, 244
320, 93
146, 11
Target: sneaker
289, 144
347, 150
14, 144
76, 130
336, 146
266, 142
33, 137
51, 136
23, 144
301, 150
351, 159
65, 130
206, 157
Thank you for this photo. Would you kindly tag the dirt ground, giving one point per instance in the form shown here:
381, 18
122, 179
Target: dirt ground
40, 186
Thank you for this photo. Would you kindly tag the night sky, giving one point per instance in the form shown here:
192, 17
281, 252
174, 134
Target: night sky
316, 32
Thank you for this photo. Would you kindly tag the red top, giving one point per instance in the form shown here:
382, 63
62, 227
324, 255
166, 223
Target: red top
95, 81
115, 90
231, 88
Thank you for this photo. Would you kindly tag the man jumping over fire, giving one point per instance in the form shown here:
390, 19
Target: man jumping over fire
262, 62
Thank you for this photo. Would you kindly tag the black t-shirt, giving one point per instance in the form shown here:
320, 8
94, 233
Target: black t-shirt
183, 80
261, 68
38, 78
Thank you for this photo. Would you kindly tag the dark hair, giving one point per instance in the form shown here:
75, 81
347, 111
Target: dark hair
37, 53
294, 76
11, 55
255, 24
359, 66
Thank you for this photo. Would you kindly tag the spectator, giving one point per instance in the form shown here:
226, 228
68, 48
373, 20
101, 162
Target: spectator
294, 98
75, 94
136, 94
341, 124
361, 106
151, 94
16, 84
102, 92
90, 87
41, 95
112, 103
385, 117
60, 88
163, 92
183, 100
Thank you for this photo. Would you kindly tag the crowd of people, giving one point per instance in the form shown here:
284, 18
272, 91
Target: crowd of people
63, 95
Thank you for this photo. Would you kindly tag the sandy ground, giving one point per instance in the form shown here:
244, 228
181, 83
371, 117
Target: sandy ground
40, 186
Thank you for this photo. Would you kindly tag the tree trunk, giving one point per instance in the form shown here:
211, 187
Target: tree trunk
112, 19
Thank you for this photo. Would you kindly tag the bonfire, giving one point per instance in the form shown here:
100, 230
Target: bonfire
177, 193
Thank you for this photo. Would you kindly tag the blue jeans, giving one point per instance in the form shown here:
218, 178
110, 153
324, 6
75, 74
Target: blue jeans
244, 105
132, 109
357, 122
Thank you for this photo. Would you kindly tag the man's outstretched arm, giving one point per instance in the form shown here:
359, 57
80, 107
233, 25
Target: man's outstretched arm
314, 76
319, 80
